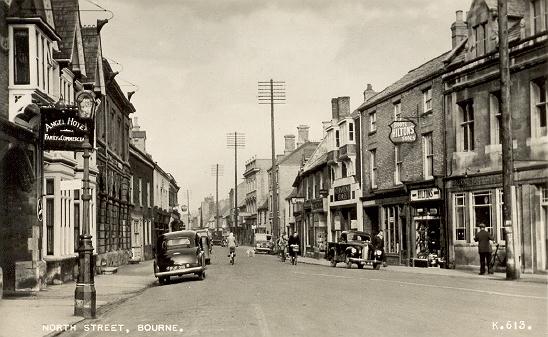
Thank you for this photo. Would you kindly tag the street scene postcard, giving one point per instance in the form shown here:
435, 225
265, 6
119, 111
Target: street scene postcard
273, 168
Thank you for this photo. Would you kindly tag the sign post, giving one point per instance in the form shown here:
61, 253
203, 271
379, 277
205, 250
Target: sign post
71, 128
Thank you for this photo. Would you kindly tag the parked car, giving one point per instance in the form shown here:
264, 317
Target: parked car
179, 253
263, 243
217, 237
354, 247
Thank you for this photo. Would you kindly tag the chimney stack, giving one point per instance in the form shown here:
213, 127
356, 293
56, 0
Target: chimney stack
334, 109
344, 106
368, 92
303, 134
459, 30
138, 137
289, 144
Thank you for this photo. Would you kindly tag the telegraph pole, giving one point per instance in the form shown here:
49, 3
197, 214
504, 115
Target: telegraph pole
217, 170
235, 140
512, 268
273, 92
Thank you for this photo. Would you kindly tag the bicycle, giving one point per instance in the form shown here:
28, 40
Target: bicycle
232, 255
294, 252
496, 258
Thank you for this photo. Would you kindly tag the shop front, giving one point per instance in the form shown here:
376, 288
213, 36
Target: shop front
343, 210
315, 220
427, 230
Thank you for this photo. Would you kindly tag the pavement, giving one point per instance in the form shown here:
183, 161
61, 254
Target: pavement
471, 272
48, 312
43, 313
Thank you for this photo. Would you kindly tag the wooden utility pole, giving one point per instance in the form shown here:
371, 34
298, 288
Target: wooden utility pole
235, 140
512, 267
273, 92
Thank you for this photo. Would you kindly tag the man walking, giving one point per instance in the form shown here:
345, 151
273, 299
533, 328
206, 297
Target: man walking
483, 239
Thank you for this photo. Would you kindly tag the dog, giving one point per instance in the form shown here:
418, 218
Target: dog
250, 253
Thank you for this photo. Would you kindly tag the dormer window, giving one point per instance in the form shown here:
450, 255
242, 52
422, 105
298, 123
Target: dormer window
539, 15
480, 35
21, 56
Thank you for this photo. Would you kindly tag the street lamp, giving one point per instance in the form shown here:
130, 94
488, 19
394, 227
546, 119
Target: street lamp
84, 294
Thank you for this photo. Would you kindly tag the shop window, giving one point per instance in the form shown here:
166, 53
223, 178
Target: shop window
496, 118
459, 202
539, 15
372, 121
482, 211
50, 216
539, 107
427, 100
21, 60
428, 153
466, 131
392, 236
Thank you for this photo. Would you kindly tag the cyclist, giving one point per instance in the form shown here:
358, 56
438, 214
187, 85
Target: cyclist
282, 246
231, 243
293, 240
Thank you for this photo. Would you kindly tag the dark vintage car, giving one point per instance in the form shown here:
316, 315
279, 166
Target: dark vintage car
179, 253
353, 248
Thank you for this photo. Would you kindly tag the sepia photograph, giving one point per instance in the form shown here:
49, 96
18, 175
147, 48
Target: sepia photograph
273, 168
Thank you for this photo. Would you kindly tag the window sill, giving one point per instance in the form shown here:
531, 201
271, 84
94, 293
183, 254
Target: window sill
428, 178
493, 148
370, 133
426, 113
536, 141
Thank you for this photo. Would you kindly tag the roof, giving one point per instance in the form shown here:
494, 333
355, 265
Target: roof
264, 205
35, 11
318, 157
410, 79
185, 233
305, 149
66, 18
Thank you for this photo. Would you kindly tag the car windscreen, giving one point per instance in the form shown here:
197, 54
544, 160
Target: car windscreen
179, 242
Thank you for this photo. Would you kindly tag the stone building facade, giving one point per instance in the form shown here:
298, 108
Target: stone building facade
473, 125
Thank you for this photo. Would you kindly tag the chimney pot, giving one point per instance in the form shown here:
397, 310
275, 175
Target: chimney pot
303, 134
334, 109
289, 144
344, 106
459, 29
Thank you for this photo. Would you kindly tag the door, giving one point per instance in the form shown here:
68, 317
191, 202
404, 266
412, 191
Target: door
137, 239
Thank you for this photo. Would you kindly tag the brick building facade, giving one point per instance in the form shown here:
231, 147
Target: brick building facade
402, 183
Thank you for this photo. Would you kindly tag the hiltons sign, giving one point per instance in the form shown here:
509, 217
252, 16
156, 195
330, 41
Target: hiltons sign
402, 132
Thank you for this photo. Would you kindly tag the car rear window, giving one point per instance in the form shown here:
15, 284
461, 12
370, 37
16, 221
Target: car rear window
185, 242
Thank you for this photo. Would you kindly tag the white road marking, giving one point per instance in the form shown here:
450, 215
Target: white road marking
261, 318
431, 286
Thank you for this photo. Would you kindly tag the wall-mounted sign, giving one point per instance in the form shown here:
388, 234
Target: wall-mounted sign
63, 129
342, 192
425, 194
402, 132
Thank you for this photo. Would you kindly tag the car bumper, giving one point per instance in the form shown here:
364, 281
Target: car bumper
363, 261
178, 272
262, 250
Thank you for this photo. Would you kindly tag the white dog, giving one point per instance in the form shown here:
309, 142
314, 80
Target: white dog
250, 252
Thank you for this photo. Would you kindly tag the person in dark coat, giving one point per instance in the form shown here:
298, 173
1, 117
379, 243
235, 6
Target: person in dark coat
483, 239
293, 240
378, 244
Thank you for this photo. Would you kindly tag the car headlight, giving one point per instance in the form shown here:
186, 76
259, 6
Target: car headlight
353, 250
378, 252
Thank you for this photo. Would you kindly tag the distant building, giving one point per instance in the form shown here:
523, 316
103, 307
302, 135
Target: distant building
256, 180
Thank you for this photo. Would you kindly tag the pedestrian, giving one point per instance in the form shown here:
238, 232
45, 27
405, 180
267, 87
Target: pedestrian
378, 243
483, 239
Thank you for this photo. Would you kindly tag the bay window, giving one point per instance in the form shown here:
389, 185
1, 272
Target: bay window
21, 61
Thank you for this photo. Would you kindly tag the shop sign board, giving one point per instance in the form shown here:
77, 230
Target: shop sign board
342, 192
318, 204
63, 129
425, 194
402, 132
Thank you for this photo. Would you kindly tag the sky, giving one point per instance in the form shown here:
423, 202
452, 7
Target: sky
195, 65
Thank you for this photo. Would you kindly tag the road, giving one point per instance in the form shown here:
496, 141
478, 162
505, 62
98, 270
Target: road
260, 296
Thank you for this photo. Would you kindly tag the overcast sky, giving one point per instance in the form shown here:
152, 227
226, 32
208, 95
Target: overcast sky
197, 62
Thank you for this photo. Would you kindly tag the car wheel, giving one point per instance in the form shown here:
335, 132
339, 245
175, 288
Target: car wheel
377, 266
162, 280
348, 263
333, 262
202, 275
208, 261
360, 266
